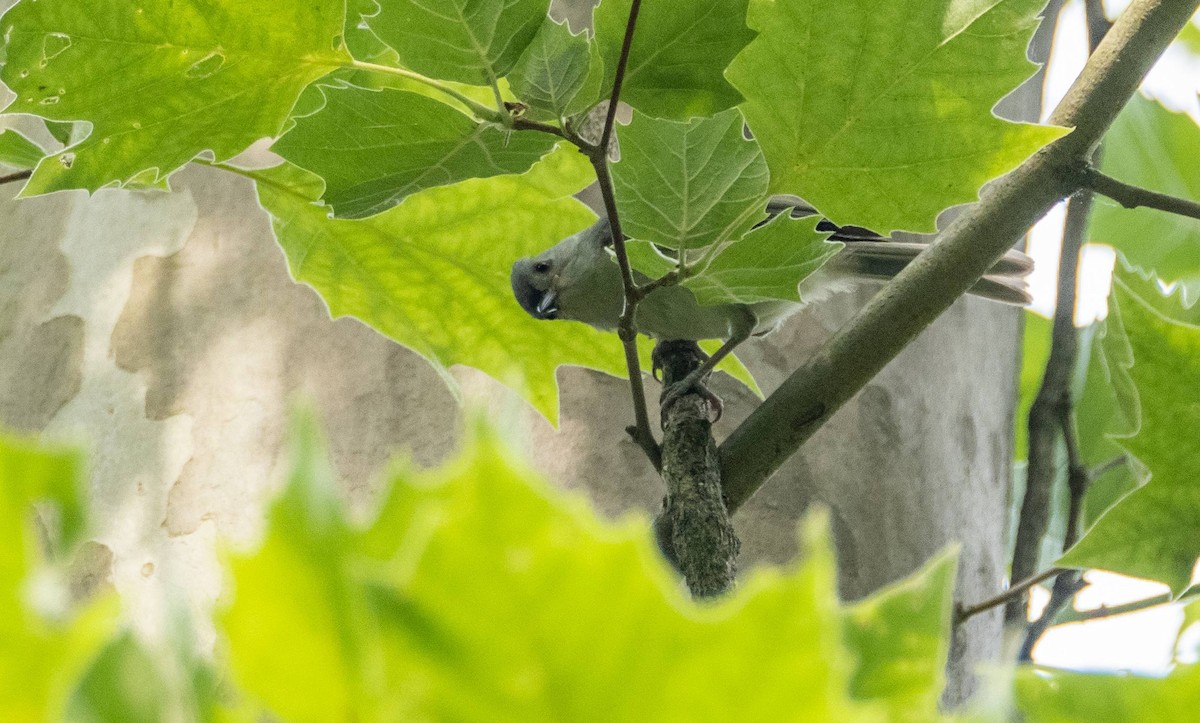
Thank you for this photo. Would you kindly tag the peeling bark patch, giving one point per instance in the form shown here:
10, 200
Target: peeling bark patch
90, 571
41, 373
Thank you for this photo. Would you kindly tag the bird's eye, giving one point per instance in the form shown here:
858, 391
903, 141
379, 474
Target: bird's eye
541, 267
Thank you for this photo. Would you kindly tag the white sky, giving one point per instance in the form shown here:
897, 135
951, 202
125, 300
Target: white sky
1143, 642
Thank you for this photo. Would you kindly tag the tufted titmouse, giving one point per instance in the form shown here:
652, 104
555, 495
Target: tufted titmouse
577, 279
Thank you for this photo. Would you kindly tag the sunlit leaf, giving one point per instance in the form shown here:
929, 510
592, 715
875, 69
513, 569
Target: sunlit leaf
130, 683
433, 273
880, 113
689, 185
1152, 147
18, 151
376, 148
162, 80
40, 659
470, 41
901, 636
297, 629
678, 57
559, 74
1047, 696
425, 614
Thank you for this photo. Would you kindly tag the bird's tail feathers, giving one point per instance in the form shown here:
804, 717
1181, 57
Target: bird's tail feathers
882, 259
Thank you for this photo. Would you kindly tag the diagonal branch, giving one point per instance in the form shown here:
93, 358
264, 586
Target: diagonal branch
962, 254
1131, 196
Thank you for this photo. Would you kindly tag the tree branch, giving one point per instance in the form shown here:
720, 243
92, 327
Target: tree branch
694, 529
964, 251
1063, 591
1133, 196
14, 177
1055, 399
1050, 407
964, 612
1104, 611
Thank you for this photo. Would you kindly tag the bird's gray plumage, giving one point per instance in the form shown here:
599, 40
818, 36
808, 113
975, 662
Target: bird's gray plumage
577, 279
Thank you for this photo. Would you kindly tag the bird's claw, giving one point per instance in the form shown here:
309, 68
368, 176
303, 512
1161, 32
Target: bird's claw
692, 383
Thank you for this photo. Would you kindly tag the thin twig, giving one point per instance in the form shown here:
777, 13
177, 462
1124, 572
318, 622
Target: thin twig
965, 612
14, 177
1063, 591
1131, 196
524, 124
619, 78
626, 327
1104, 611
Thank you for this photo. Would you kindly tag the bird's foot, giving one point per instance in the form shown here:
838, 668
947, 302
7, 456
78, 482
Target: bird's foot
657, 357
693, 382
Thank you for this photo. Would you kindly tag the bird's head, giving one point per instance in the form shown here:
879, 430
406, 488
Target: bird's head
535, 285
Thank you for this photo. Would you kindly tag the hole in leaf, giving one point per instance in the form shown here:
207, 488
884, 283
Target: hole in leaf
206, 66
54, 45
67, 160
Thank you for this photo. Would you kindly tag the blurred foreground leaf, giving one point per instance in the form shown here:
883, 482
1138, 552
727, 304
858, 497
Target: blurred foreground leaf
478, 593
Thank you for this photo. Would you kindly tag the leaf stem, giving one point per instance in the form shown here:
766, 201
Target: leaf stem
480, 110
1131, 196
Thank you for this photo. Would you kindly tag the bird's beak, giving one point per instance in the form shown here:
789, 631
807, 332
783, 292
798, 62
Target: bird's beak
546, 308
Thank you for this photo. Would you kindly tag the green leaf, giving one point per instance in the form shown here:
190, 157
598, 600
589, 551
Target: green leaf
162, 80
62, 131
559, 74
1106, 407
470, 550
131, 683
880, 114
678, 57
1047, 696
1190, 36
311, 639
1152, 147
18, 151
433, 274
40, 660
768, 264
689, 185
901, 636
376, 148
1035, 352
469, 41
1151, 533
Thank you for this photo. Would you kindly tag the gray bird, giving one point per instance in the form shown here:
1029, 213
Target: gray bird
578, 279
